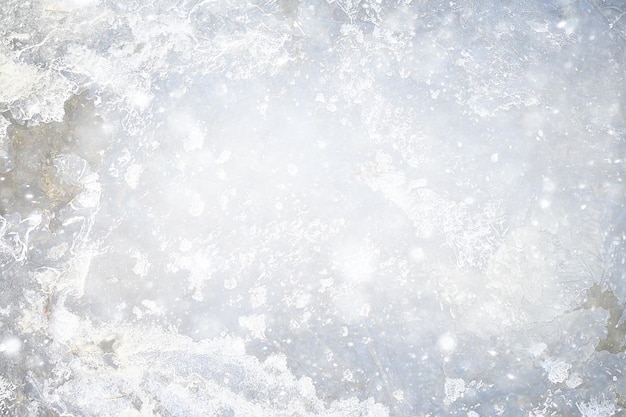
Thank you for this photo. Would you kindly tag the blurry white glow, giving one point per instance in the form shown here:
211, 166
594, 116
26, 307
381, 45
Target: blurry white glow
140, 100
544, 203
447, 342
417, 254
11, 346
356, 260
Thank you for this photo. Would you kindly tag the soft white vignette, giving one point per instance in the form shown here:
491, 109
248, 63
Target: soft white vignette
312, 208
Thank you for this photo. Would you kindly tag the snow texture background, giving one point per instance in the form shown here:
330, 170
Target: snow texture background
312, 208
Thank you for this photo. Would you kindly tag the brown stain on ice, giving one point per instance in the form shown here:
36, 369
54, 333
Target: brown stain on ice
34, 151
598, 297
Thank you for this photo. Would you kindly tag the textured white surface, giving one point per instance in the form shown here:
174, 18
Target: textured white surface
320, 208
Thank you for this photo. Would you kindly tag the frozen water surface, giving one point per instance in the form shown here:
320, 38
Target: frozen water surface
312, 208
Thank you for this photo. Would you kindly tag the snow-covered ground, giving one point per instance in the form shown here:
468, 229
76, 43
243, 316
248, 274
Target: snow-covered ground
312, 208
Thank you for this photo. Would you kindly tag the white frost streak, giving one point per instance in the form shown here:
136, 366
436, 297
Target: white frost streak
597, 408
211, 376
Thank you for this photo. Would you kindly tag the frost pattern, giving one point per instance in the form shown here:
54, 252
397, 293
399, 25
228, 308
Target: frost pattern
557, 369
473, 237
31, 93
280, 207
177, 376
597, 408
454, 389
7, 397
13, 244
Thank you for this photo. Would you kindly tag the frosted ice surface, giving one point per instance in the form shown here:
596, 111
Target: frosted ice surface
597, 408
558, 370
312, 208
454, 389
